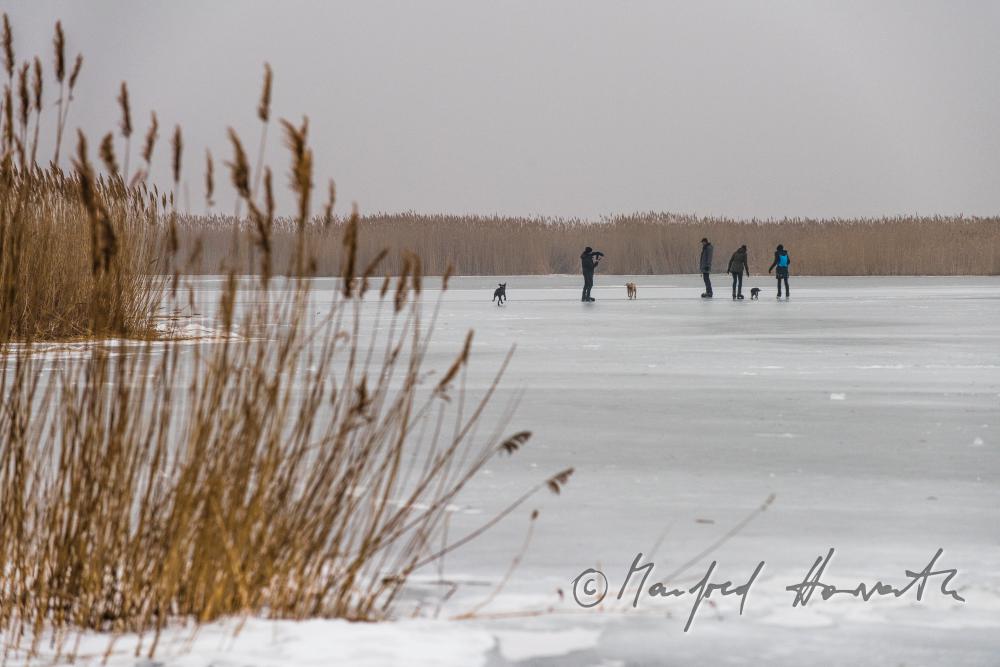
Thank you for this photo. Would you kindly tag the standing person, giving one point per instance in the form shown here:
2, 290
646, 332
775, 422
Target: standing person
588, 261
781, 262
705, 266
737, 265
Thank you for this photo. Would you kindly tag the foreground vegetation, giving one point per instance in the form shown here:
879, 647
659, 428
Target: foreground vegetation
280, 466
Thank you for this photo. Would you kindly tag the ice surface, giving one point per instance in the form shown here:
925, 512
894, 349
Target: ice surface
869, 406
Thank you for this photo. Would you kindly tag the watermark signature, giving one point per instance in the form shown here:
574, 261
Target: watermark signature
591, 587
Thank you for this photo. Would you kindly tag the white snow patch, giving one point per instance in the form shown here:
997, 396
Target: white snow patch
523, 644
418, 643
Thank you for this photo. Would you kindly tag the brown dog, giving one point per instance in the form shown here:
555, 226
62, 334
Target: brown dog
631, 290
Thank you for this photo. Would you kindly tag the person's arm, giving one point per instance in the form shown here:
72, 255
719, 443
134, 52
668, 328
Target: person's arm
746, 265
773, 264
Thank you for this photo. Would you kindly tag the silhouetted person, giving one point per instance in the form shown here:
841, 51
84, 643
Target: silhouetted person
781, 262
705, 266
588, 262
737, 265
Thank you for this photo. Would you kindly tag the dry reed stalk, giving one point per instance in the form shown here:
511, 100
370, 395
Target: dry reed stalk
264, 114
125, 125
36, 90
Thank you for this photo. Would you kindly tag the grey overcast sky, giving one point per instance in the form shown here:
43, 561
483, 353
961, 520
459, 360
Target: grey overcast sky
569, 108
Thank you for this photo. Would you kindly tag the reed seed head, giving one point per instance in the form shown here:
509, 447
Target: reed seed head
8, 113
559, 480
151, 136
268, 193
301, 175
8, 47
23, 93
239, 168
209, 179
77, 66
36, 85
515, 442
108, 153
126, 122
59, 43
178, 147
264, 108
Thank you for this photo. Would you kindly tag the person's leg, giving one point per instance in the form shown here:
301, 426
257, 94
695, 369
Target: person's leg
739, 283
588, 283
708, 283
788, 290
735, 277
779, 285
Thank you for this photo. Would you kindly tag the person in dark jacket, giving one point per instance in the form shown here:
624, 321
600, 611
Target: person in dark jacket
737, 265
705, 266
588, 262
781, 262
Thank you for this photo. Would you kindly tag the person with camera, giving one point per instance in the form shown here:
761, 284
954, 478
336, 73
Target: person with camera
589, 260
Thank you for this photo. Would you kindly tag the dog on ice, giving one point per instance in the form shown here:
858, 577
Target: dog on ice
631, 291
500, 294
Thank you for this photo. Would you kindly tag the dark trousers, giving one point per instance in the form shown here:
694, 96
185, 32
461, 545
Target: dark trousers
783, 275
708, 283
737, 283
588, 284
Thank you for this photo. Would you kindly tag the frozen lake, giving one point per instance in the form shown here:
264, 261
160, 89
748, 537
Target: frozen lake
869, 407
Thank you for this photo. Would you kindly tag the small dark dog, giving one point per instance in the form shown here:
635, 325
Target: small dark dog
754, 293
500, 294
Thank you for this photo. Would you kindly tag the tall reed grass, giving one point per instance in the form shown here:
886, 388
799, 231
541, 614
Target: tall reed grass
638, 244
282, 466
76, 249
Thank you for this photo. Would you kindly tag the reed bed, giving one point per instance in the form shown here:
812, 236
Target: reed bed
282, 466
76, 249
637, 244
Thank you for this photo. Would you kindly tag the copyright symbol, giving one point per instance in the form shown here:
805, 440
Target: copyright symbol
590, 587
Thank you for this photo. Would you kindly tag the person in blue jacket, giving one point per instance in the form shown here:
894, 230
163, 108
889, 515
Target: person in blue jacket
781, 262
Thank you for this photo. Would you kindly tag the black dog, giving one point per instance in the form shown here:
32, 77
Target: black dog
754, 293
500, 294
